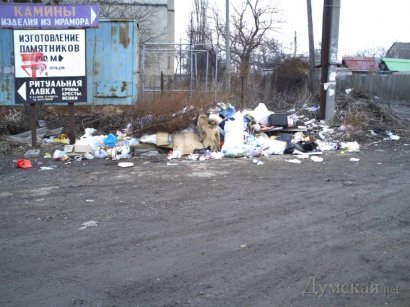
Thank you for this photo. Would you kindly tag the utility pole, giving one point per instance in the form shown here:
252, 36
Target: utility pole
312, 59
295, 40
330, 38
228, 48
331, 79
324, 60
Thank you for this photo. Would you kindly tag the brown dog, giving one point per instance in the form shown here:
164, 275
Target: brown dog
209, 132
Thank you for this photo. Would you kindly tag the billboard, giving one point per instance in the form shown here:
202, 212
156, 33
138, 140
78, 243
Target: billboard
51, 90
41, 16
50, 65
49, 53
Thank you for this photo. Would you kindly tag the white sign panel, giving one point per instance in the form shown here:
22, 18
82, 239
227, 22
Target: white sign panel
49, 53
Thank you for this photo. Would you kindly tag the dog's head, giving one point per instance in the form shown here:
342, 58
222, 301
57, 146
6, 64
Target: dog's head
214, 120
212, 124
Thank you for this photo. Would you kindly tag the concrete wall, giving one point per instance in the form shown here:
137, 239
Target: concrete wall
159, 58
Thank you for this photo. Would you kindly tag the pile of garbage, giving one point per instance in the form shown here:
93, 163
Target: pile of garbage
224, 132
90, 146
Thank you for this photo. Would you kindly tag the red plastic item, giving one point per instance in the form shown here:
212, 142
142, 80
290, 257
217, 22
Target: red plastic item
24, 164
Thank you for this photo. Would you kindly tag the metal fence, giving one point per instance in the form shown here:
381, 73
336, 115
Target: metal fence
178, 67
389, 87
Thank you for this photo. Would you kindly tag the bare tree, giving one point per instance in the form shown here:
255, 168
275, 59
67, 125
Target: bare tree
252, 24
144, 14
199, 30
200, 36
376, 52
268, 56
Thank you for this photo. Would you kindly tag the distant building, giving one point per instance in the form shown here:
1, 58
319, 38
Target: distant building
360, 64
399, 51
395, 65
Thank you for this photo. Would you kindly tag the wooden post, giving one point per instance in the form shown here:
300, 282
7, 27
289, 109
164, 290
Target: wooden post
162, 82
71, 122
33, 124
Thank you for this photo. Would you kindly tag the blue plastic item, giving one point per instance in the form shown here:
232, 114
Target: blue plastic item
110, 140
228, 112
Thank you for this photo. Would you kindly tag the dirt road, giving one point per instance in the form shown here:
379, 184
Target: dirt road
213, 233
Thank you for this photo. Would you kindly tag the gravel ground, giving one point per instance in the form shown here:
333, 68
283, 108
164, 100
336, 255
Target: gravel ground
213, 233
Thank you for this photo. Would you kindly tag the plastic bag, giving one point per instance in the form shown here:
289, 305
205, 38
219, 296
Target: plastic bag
392, 136
254, 152
234, 135
61, 139
234, 152
100, 153
351, 146
23, 163
149, 138
275, 147
133, 141
88, 156
125, 150
110, 140
88, 132
261, 114
95, 142
227, 113
174, 154
60, 155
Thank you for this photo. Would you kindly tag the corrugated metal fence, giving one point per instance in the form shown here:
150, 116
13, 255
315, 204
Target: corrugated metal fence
111, 63
6, 67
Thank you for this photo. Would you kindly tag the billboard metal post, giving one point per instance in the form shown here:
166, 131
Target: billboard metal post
49, 54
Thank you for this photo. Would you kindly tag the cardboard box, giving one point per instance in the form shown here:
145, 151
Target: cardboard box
186, 142
82, 148
68, 148
164, 139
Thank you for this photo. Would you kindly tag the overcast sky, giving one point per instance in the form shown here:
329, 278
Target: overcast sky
364, 24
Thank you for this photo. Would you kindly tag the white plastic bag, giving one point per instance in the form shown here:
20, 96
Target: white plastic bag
100, 153
261, 114
233, 152
88, 156
59, 155
174, 155
234, 134
351, 146
87, 133
275, 147
149, 138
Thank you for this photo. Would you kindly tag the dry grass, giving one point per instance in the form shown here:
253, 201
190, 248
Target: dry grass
359, 110
11, 120
169, 112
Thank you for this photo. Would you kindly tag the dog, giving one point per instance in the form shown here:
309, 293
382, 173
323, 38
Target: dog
209, 132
